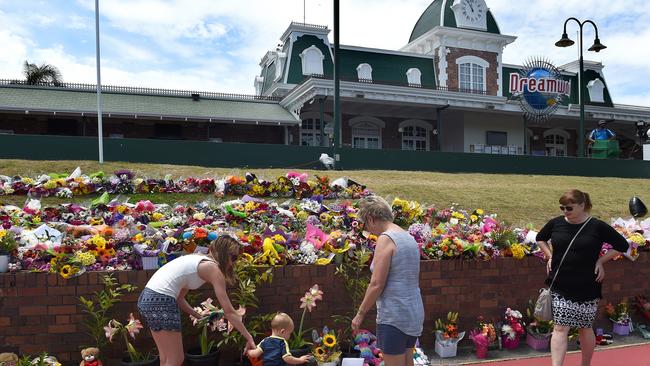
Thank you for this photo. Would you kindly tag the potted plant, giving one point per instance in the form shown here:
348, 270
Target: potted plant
512, 329
354, 270
538, 332
620, 316
297, 343
132, 357
211, 317
483, 335
447, 336
326, 349
7, 245
243, 295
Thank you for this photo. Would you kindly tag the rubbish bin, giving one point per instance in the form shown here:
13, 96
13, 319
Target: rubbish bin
605, 149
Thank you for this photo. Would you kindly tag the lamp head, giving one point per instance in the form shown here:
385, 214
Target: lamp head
597, 46
565, 41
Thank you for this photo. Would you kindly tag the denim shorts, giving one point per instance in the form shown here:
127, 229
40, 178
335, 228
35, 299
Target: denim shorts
393, 341
160, 312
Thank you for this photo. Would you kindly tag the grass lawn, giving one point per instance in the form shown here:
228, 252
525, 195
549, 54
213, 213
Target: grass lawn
517, 199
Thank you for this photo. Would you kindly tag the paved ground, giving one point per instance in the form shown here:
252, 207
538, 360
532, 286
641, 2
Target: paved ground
631, 350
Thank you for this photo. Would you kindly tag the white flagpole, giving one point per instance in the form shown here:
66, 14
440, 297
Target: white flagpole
100, 132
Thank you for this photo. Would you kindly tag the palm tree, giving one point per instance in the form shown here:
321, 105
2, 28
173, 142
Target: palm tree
44, 73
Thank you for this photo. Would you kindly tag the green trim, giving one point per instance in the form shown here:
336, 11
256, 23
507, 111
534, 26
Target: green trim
295, 75
590, 75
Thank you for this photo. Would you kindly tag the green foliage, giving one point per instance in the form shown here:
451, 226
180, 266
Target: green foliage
8, 241
504, 237
98, 308
356, 276
35, 74
248, 278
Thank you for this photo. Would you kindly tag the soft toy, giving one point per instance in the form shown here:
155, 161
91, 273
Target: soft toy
8, 359
365, 343
90, 357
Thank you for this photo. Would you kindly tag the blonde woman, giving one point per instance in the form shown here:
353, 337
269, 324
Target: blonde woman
394, 286
164, 296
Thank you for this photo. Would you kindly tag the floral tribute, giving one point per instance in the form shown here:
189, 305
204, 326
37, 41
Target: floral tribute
109, 235
123, 181
326, 347
131, 328
512, 329
619, 313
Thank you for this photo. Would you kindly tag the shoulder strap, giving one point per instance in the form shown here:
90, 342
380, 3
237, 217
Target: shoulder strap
567, 250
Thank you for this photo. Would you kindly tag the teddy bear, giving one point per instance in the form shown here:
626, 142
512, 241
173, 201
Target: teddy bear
8, 359
90, 357
365, 343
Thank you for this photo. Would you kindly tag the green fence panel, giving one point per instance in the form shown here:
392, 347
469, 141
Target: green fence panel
212, 154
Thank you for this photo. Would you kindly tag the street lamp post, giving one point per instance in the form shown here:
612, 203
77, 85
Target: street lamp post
565, 41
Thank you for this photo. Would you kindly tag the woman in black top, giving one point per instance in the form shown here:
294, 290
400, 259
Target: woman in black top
577, 287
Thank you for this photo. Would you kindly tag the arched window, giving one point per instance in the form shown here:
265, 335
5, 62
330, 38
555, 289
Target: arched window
415, 135
366, 132
555, 142
471, 73
414, 76
364, 72
312, 61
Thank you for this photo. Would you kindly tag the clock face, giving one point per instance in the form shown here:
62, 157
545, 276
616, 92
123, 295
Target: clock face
473, 10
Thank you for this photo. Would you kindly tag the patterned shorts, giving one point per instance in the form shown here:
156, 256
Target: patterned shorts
159, 311
573, 313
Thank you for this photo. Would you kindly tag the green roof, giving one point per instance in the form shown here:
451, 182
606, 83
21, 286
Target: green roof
430, 19
56, 99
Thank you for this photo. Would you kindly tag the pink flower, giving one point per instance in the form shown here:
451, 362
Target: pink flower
316, 236
111, 329
309, 300
134, 326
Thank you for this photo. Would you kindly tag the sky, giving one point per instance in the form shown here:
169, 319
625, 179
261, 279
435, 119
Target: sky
216, 45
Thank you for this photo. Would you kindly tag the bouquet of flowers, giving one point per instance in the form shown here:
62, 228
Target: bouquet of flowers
537, 328
483, 335
512, 328
447, 335
643, 305
307, 303
326, 347
8, 242
619, 314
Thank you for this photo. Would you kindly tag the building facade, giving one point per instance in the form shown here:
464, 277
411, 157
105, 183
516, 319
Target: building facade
446, 90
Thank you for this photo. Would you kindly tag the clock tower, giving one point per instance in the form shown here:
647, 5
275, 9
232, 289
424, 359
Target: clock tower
470, 14
466, 44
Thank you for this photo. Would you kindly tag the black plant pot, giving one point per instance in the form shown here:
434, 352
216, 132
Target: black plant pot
637, 207
193, 357
304, 350
126, 361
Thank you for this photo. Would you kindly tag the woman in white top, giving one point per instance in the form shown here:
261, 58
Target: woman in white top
164, 296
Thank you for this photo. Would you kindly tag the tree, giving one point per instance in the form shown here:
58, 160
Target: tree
44, 73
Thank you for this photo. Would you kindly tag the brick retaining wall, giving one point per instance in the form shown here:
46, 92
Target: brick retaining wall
40, 311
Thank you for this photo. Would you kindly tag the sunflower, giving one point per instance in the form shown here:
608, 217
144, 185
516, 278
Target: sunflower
319, 351
329, 340
66, 271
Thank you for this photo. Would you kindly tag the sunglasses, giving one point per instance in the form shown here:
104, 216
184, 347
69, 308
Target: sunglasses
566, 208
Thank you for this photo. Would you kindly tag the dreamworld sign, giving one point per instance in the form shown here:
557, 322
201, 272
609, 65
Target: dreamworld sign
540, 87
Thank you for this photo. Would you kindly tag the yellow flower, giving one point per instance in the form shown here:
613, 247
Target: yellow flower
3, 232
36, 219
28, 180
329, 340
319, 351
637, 239
479, 212
473, 217
157, 216
66, 271
517, 251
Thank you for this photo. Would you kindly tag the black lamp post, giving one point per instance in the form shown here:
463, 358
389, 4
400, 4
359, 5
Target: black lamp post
565, 41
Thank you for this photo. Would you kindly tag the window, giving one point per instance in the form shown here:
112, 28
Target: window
471, 73
415, 135
312, 61
496, 138
62, 127
414, 76
366, 132
555, 142
310, 132
596, 91
168, 131
364, 72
